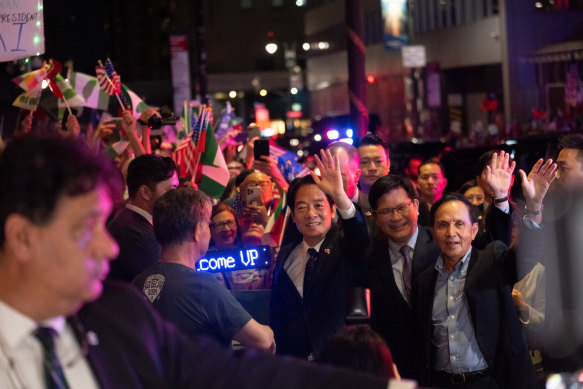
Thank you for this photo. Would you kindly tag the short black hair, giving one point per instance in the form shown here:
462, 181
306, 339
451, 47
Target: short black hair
472, 210
387, 184
372, 139
430, 162
295, 185
573, 141
36, 171
176, 214
484, 161
149, 170
467, 185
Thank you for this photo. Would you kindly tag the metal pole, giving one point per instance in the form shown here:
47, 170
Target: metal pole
356, 51
414, 100
200, 49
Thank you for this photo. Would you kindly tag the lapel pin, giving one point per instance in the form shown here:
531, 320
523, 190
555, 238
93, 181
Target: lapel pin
327, 251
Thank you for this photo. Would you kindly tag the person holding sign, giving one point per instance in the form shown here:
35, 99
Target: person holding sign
194, 301
312, 275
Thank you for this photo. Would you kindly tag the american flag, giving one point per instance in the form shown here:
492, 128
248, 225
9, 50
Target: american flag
110, 85
187, 152
116, 78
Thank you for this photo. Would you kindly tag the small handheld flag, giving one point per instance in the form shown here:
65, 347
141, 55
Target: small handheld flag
53, 72
110, 85
31, 82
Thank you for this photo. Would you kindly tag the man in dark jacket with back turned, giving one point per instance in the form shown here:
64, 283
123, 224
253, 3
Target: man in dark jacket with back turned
149, 177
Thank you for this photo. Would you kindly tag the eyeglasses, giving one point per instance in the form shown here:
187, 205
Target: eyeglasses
401, 209
222, 225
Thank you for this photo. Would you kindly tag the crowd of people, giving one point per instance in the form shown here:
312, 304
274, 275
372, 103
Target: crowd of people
459, 290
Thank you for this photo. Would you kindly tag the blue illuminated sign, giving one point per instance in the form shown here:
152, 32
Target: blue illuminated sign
217, 261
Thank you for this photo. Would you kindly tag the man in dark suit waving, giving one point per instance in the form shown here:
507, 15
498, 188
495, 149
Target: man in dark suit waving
470, 334
311, 276
405, 250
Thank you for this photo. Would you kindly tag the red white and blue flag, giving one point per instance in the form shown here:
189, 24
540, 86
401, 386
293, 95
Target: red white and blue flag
110, 84
287, 162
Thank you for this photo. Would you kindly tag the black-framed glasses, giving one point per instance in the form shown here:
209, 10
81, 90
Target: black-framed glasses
401, 209
222, 225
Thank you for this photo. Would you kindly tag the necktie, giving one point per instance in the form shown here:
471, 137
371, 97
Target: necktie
405, 251
54, 376
312, 254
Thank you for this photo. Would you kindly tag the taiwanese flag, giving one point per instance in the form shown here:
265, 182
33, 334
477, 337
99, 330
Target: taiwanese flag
275, 223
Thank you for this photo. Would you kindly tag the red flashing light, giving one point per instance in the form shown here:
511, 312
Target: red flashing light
270, 34
371, 79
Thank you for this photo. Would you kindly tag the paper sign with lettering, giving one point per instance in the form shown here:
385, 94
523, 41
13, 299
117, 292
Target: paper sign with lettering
217, 261
21, 29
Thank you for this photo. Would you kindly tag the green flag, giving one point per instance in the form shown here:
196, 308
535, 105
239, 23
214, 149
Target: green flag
215, 174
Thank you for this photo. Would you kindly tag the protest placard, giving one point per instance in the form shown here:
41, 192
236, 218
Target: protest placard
21, 29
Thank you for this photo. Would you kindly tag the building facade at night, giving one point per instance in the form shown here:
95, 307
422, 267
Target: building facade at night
479, 49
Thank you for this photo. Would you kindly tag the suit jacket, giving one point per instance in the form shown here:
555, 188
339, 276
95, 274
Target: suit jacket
391, 315
303, 325
138, 349
424, 218
138, 248
491, 274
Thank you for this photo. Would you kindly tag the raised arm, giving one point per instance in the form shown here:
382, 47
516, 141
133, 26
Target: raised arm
498, 176
535, 187
146, 129
129, 125
530, 241
269, 167
330, 179
72, 128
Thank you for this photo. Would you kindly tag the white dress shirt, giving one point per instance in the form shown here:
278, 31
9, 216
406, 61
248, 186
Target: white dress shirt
295, 265
397, 261
21, 354
141, 212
